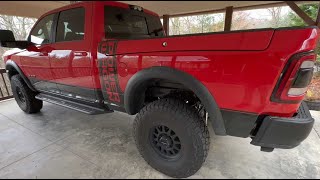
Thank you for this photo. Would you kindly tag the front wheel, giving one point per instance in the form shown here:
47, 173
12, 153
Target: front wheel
171, 137
24, 96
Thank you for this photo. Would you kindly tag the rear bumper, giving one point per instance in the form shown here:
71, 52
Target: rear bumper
286, 133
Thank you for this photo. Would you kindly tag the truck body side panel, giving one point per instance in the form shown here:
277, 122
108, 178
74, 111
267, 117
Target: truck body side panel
239, 79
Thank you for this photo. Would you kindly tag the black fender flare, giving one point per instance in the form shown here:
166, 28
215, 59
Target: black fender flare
137, 85
11, 65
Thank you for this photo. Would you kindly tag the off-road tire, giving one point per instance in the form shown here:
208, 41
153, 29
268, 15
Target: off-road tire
187, 125
24, 96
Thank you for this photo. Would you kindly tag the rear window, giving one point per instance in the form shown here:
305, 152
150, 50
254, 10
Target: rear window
120, 23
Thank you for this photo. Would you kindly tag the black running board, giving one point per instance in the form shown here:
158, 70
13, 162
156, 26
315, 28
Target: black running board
72, 105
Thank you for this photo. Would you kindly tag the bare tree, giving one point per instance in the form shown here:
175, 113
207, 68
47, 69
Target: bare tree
175, 29
20, 26
241, 20
275, 13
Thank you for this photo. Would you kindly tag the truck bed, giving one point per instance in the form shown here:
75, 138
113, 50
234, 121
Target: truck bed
240, 68
243, 40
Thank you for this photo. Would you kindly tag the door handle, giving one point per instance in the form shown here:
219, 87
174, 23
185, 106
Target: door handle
80, 53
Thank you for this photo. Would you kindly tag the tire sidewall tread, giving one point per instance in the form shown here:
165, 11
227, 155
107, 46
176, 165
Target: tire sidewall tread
192, 127
32, 104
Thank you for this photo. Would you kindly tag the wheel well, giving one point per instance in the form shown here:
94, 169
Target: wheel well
11, 71
163, 88
145, 85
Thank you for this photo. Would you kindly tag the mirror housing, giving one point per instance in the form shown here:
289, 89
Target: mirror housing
7, 40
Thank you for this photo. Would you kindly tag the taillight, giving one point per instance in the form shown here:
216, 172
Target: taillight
294, 79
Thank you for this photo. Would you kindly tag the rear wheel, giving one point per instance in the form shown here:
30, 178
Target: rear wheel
171, 137
24, 96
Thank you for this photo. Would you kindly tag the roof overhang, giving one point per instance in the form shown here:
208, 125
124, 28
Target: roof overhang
32, 9
182, 7
37, 8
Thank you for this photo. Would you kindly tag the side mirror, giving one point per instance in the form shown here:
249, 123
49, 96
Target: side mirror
6, 35
7, 40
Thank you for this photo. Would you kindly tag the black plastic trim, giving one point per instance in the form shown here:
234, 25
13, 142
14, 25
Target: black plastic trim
72, 104
286, 133
54, 27
136, 86
71, 98
96, 101
12, 65
74, 90
238, 123
116, 107
87, 93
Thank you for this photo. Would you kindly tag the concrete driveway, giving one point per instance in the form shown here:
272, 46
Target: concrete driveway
62, 143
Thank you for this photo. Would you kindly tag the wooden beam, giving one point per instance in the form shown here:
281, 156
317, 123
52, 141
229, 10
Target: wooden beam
243, 8
4, 98
166, 23
300, 13
2, 71
318, 17
228, 18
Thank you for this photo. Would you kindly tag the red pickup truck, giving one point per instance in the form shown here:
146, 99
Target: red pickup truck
97, 57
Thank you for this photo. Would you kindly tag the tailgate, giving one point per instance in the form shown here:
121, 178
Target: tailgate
252, 40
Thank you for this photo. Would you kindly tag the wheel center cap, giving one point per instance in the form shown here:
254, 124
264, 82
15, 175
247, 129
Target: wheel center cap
165, 140
20, 95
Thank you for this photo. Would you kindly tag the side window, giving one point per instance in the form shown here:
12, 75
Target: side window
120, 23
71, 25
41, 33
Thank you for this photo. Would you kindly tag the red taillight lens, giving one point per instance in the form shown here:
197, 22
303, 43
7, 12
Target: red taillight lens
295, 78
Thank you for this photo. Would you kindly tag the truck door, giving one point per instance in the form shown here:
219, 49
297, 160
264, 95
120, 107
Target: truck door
71, 58
35, 64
